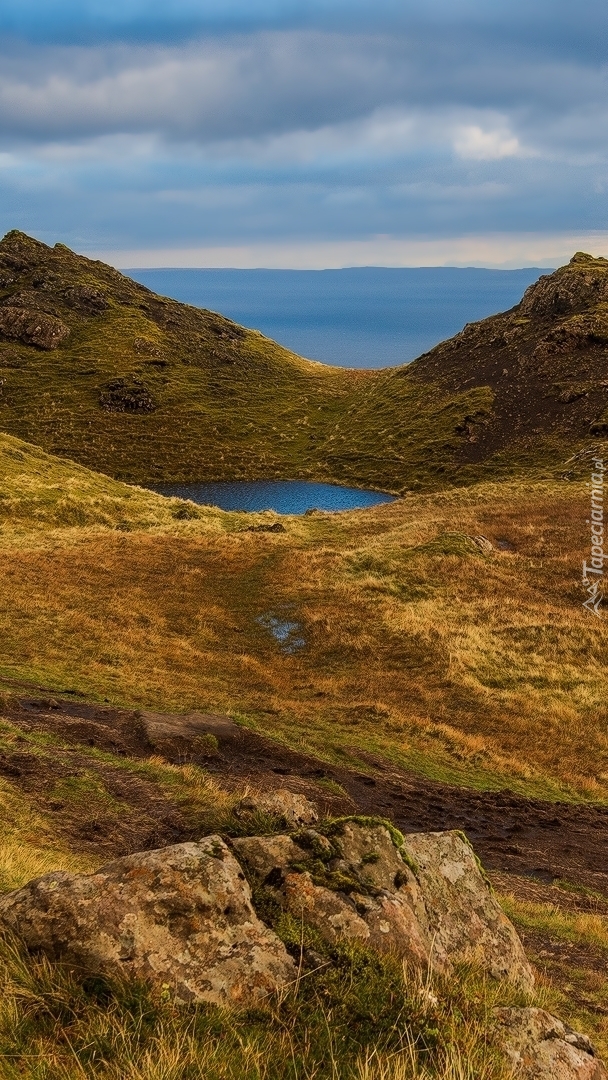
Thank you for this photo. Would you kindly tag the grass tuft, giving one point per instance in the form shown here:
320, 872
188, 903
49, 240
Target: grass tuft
358, 1018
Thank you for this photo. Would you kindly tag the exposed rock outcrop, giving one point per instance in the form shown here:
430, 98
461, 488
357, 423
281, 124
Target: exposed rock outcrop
541, 1047
85, 299
563, 293
180, 917
126, 395
357, 883
183, 916
32, 327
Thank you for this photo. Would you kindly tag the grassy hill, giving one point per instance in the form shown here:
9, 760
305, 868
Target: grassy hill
96, 368
410, 640
144, 388
415, 646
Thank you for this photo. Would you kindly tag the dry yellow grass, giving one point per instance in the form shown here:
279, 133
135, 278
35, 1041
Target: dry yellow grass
570, 951
53, 1029
29, 845
478, 669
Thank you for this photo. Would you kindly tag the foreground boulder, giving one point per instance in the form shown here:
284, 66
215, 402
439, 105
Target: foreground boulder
541, 1047
464, 918
180, 918
425, 900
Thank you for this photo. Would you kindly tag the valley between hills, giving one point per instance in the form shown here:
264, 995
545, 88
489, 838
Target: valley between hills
96, 368
448, 675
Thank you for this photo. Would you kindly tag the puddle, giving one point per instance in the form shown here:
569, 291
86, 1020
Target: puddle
285, 631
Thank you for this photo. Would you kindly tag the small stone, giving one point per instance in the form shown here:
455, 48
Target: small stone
541, 1047
294, 809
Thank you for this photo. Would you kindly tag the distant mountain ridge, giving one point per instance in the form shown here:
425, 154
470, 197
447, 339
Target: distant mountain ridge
97, 368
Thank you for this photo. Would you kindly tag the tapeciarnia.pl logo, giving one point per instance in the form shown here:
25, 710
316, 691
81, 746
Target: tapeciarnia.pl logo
593, 571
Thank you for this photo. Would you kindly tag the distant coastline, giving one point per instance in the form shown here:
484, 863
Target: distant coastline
364, 317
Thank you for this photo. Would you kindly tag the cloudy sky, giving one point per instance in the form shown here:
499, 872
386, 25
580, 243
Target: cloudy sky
306, 132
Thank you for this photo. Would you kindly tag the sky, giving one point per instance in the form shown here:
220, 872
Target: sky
306, 133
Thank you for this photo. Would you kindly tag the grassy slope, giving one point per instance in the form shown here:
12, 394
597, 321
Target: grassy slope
477, 668
232, 404
229, 402
40, 490
480, 669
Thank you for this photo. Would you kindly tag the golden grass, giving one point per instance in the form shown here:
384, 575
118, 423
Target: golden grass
45, 492
362, 1019
580, 928
29, 845
570, 952
477, 669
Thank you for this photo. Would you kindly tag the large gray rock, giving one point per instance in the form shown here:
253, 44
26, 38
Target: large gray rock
463, 916
353, 886
541, 1047
438, 910
180, 917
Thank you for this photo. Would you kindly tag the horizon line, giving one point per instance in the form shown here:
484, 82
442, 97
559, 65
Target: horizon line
336, 269
493, 251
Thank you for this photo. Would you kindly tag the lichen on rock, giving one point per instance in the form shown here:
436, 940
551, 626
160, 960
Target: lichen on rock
541, 1047
464, 918
180, 917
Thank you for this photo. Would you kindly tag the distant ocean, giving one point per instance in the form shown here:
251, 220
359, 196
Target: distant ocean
364, 317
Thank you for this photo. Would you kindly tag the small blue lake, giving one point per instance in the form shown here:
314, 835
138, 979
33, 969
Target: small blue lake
282, 496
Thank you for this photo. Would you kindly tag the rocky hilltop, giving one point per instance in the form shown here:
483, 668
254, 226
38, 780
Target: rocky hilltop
97, 368
545, 361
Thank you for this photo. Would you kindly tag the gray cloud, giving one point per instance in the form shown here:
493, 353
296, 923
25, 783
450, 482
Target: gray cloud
337, 121
251, 85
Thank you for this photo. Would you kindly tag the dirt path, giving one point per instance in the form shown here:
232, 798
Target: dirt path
534, 840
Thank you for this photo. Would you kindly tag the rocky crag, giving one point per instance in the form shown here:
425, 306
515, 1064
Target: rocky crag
206, 921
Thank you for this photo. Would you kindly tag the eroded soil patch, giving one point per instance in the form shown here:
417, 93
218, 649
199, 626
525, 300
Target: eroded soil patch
539, 841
